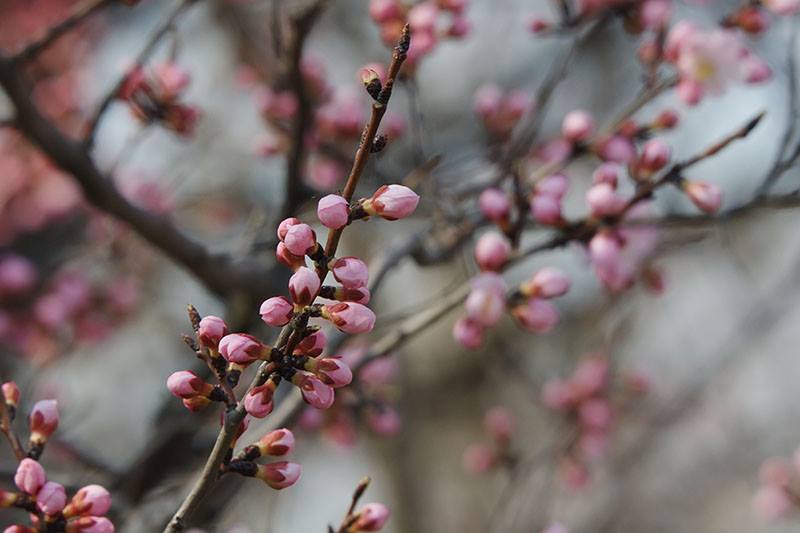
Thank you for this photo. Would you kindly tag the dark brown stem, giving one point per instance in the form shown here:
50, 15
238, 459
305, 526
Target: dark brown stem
8, 430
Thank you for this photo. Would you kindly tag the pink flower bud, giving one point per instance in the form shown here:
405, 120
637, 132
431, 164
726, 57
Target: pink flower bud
392, 202
606, 173
604, 249
494, 204
577, 126
284, 226
617, 149
241, 348
537, 315
771, 503
277, 311
499, 423
667, 119
538, 25
372, 517
277, 443
384, 10
655, 14
478, 459
279, 475
459, 27
350, 317
548, 282
487, 100
485, 307
603, 201
43, 420
258, 400
467, 333
211, 330
706, 196
359, 296
91, 500
655, 155
690, 91
595, 414
30, 477
591, 376
558, 394
51, 498
555, 185
304, 286
10, 393
313, 345
90, 524
287, 258
18, 275
300, 239
186, 384
783, 7
489, 281
384, 421
492, 251
422, 17
333, 211
756, 70
16, 528
546, 209
775, 471
331, 371
351, 272
574, 473
315, 393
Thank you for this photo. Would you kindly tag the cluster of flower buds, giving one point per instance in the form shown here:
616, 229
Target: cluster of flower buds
590, 398
708, 61
46, 501
371, 403
279, 474
499, 425
529, 304
338, 117
778, 493
154, 96
431, 21
501, 111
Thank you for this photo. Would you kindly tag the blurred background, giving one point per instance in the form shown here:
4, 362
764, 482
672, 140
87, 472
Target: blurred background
719, 344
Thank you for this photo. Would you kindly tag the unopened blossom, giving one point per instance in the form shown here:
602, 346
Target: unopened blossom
655, 155
492, 251
285, 257
546, 209
18, 275
536, 315
485, 307
384, 421
559, 394
331, 371
10, 393
384, 10
617, 149
43, 420
312, 345
371, 517
494, 204
186, 384
604, 249
304, 286
315, 393
478, 458
554, 185
283, 227
90, 524
30, 476
51, 498
211, 330
655, 14
277, 443
300, 239
548, 282
276, 311
351, 272
706, 196
241, 348
391, 202
468, 333
258, 400
350, 317
603, 200
279, 475
499, 423
783, 7
91, 500
577, 126
772, 503
333, 211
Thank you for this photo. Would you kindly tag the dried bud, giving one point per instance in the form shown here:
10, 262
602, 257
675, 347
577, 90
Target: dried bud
276, 311
378, 143
43, 420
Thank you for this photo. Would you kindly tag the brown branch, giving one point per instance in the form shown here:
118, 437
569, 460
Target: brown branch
7, 430
152, 42
220, 273
80, 12
296, 192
